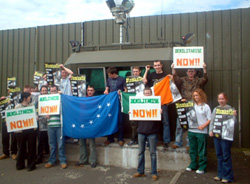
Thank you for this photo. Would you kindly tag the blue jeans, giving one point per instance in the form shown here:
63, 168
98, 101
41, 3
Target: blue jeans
179, 135
223, 154
165, 121
55, 139
152, 148
120, 129
84, 152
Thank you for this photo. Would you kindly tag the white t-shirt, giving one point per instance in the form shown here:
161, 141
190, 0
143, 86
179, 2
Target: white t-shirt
65, 86
203, 114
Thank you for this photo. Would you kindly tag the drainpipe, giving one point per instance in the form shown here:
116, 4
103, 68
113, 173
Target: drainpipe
239, 90
121, 33
239, 107
36, 43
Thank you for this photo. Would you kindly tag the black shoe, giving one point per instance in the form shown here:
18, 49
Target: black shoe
166, 145
93, 165
86, 163
38, 161
31, 169
79, 164
132, 142
20, 168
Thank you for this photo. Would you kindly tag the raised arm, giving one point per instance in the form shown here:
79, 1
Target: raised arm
144, 79
66, 69
204, 68
173, 70
204, 79
176, 78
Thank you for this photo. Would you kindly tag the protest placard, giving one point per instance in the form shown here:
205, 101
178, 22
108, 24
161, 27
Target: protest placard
186, 114
53, 73
21, 119
11, 82
224, 122
145, 108
15, 94
188, 57
49, 104
37, 77
39, 80
34, 99
175, 92
3, 105
134, 84
78, 85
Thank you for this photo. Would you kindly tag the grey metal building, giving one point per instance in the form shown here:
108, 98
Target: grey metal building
224, 35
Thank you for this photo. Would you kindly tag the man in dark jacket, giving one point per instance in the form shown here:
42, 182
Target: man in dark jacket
147, 130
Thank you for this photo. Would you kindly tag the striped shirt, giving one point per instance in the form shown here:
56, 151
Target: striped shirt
54, 121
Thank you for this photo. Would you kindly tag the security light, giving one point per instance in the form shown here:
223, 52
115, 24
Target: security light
111, 4
188, 38
185, 39
128, 5
75, 45
120, 9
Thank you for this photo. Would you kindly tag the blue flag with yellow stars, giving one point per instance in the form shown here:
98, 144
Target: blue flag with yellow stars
90, 117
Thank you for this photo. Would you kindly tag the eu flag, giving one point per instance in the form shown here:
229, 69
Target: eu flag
90, 117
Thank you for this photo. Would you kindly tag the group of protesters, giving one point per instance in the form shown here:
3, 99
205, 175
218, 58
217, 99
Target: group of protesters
50, 139
32, 144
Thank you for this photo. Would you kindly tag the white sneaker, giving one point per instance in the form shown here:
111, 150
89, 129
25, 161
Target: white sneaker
199, 172
188, 169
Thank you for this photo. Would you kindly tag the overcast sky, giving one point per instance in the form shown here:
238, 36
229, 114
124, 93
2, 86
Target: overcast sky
31, 13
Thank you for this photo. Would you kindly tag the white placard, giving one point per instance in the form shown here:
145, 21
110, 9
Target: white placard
21, 119
188, 57
145, 108
49, 104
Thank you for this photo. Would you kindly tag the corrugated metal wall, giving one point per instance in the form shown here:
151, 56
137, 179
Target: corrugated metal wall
226, 40
23, 51
224, 35
17, 53
53, 43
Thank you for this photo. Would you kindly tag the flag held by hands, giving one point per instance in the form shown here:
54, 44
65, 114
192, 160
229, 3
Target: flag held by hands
162, 89
90, 117
125, 101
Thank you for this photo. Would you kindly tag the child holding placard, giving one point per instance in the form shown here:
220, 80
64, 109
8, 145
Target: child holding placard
222, 147
198, 136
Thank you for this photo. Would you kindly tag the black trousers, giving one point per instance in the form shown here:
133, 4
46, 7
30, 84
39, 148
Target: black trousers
134, 126
6, 141
43, 144
26, 137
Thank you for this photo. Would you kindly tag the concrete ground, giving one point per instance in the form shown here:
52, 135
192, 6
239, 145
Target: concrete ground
75, 175
109, 174
241, 168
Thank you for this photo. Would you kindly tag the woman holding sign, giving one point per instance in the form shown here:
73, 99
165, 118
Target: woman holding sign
222, 146
24, 137
198, 136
